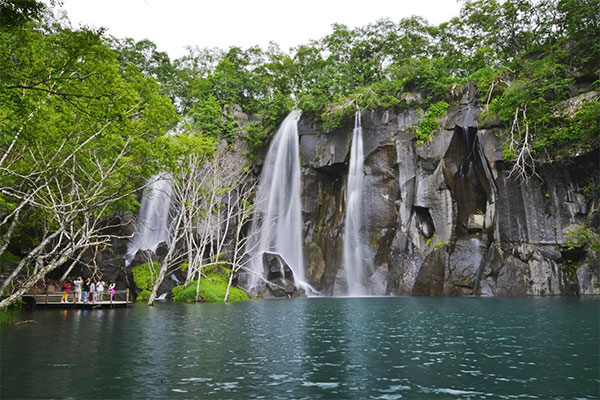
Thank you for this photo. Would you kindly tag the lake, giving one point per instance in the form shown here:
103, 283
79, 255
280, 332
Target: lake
378, 348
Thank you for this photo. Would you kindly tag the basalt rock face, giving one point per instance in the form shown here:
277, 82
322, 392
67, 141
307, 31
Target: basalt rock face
445, 218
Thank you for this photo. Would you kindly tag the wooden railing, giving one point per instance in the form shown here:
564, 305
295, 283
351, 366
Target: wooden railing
55, 296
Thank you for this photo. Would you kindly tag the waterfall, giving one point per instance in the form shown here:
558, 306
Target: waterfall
152, 224
277, 222
354, 254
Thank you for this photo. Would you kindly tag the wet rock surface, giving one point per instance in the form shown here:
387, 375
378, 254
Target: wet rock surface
442, 219
445, 218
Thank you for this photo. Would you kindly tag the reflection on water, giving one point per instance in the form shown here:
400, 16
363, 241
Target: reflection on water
380, 348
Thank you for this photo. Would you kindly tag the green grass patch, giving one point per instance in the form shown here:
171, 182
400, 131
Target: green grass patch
212, 289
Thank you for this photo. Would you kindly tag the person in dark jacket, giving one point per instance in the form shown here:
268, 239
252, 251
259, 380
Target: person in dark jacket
86, 289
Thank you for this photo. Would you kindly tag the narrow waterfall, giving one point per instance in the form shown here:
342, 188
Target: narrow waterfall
354, 254
277, 222
152, 224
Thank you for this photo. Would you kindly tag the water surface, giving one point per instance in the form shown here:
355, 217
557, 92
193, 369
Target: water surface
378, 348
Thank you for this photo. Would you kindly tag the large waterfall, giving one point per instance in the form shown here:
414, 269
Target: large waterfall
277, 223
153, 218
354, 253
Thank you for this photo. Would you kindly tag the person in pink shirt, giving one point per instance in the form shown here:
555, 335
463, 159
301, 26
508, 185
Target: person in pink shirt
66, 290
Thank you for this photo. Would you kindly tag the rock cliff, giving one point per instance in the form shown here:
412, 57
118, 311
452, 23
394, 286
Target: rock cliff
445, 218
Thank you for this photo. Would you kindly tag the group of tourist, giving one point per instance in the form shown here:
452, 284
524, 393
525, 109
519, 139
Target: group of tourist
87, 291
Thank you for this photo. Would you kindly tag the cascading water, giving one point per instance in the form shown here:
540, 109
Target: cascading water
354, 252
153, 218
277, 222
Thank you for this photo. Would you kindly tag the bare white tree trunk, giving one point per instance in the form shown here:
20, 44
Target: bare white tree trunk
520, 141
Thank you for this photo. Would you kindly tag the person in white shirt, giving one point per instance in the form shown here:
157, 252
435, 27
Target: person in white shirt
100, 289
77, 283
93, 291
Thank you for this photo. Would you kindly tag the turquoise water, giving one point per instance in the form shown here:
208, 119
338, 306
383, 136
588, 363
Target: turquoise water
378, 348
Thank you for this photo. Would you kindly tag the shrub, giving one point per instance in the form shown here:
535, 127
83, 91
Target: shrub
144, 277
212, 289
579, 237
429, 124
483, 78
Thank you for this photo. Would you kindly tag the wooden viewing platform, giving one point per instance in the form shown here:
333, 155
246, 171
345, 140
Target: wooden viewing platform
52, 299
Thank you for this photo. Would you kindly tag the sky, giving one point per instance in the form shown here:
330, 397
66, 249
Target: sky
174, 24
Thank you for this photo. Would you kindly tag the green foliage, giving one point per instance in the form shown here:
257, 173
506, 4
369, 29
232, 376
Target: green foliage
255, 135
9, 257
144, 277
538, 90
379, 95
145, 56
578, 237
483, 78
439, 245
508, 153
570, 269
13, 12
75, 116
579, 21
74, 103
525, 49
79, 131
582, 129
184, 267
431, 76
188, 142
429, 123
8, 315
212, 289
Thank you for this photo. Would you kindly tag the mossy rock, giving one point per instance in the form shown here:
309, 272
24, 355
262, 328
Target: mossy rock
144, 276
212, 289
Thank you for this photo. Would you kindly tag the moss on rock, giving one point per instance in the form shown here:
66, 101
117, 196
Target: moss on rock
212, 289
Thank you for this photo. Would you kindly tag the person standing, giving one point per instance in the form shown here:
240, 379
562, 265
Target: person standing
92, 291
66, 290
77, 283
111, 290
100, 289
86, 290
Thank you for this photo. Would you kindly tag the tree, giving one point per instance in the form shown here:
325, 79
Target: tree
13, 12
79, 134
211, 193
145, 56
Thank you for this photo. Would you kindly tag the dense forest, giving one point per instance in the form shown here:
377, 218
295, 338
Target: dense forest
86, 119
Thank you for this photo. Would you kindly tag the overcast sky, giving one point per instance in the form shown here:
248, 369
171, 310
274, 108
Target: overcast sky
174, 24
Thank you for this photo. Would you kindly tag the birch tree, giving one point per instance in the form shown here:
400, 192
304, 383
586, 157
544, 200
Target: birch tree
79, 134
212, 201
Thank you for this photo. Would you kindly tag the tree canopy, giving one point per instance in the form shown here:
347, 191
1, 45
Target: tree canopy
79, 131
